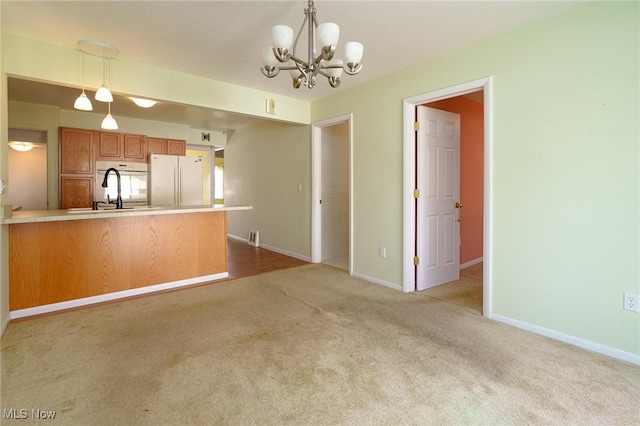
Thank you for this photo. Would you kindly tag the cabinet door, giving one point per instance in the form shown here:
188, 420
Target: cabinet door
76, 191
109, 146
156, 146
76, 150
176, 147
135, 147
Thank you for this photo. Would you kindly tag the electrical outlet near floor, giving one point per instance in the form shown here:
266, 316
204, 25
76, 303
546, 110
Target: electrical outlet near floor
631, 302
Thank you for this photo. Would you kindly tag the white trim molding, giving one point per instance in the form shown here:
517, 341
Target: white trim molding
378, 281
409, 172
86, 301
471, 263
572, 340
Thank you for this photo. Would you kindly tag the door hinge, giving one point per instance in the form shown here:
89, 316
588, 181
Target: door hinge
416, 126
416, 260
416, 193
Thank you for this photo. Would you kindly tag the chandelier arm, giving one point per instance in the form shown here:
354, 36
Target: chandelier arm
355, 71
295, 43
271, 73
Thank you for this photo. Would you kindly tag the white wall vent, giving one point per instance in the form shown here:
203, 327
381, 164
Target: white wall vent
254, 238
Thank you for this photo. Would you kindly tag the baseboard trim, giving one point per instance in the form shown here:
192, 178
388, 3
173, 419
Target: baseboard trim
572, 340
471, 263
5, 323
378, 281
274, 249
85, 301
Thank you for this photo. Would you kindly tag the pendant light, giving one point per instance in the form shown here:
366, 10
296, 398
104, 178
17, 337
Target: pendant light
104, 94
82, 102
109, 123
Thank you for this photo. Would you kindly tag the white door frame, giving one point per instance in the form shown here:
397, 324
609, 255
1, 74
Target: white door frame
316, 186
409, 176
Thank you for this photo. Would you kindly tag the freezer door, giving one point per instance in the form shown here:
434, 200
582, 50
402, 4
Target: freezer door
190, 181
163, 180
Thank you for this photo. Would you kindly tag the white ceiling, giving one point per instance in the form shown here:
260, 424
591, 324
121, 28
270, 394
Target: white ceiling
222, 40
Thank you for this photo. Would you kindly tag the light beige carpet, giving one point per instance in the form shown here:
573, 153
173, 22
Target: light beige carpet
306, 345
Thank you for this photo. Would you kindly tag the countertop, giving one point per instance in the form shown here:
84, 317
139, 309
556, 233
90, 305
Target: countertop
83, 214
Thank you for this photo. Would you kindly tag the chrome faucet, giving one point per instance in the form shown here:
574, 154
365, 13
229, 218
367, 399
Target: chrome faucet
105, 184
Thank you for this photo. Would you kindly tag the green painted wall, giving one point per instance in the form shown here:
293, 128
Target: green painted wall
264, 163
566, 162
566, 186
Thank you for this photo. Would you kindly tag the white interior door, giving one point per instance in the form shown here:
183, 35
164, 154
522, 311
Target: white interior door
438, 175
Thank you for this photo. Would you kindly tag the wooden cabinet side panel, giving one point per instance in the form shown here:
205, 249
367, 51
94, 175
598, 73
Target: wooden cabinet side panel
52, 262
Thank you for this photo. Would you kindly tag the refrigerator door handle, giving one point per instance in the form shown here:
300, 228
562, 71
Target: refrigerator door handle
175, 186
180, 185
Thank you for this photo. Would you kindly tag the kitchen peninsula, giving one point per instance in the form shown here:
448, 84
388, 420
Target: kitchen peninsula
60, 259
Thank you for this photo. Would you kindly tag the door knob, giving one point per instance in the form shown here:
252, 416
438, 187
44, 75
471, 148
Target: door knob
458, 205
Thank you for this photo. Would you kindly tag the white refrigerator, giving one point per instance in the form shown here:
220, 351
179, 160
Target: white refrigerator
175, 180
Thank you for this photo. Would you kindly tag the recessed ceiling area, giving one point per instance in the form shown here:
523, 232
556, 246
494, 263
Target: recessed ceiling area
63, 97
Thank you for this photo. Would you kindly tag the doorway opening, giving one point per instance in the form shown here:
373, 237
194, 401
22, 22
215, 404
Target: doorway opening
332, 177
410, 176
27, 169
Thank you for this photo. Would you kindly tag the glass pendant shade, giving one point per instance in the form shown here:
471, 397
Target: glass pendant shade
334, 72
282, 36
328, 34
353, 52
83, 102
104, 94
268, 59
109, 123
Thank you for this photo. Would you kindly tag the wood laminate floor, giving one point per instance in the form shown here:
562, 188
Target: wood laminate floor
244, 260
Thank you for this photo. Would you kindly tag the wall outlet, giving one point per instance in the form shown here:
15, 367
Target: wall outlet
631, 302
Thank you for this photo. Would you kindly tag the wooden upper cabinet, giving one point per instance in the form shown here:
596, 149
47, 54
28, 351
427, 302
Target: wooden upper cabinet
109, 146
119, 146
76, 151
135, 147
176, 147
156, 146
166, 146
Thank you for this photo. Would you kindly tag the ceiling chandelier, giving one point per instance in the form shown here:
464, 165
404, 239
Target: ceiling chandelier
305, 72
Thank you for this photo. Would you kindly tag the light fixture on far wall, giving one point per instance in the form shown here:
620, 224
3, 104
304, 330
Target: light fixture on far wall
82, 102
109, 123
143, 103
305, 72
21, 146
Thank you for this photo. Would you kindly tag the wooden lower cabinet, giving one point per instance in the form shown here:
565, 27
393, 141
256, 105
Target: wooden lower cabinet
76, 191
